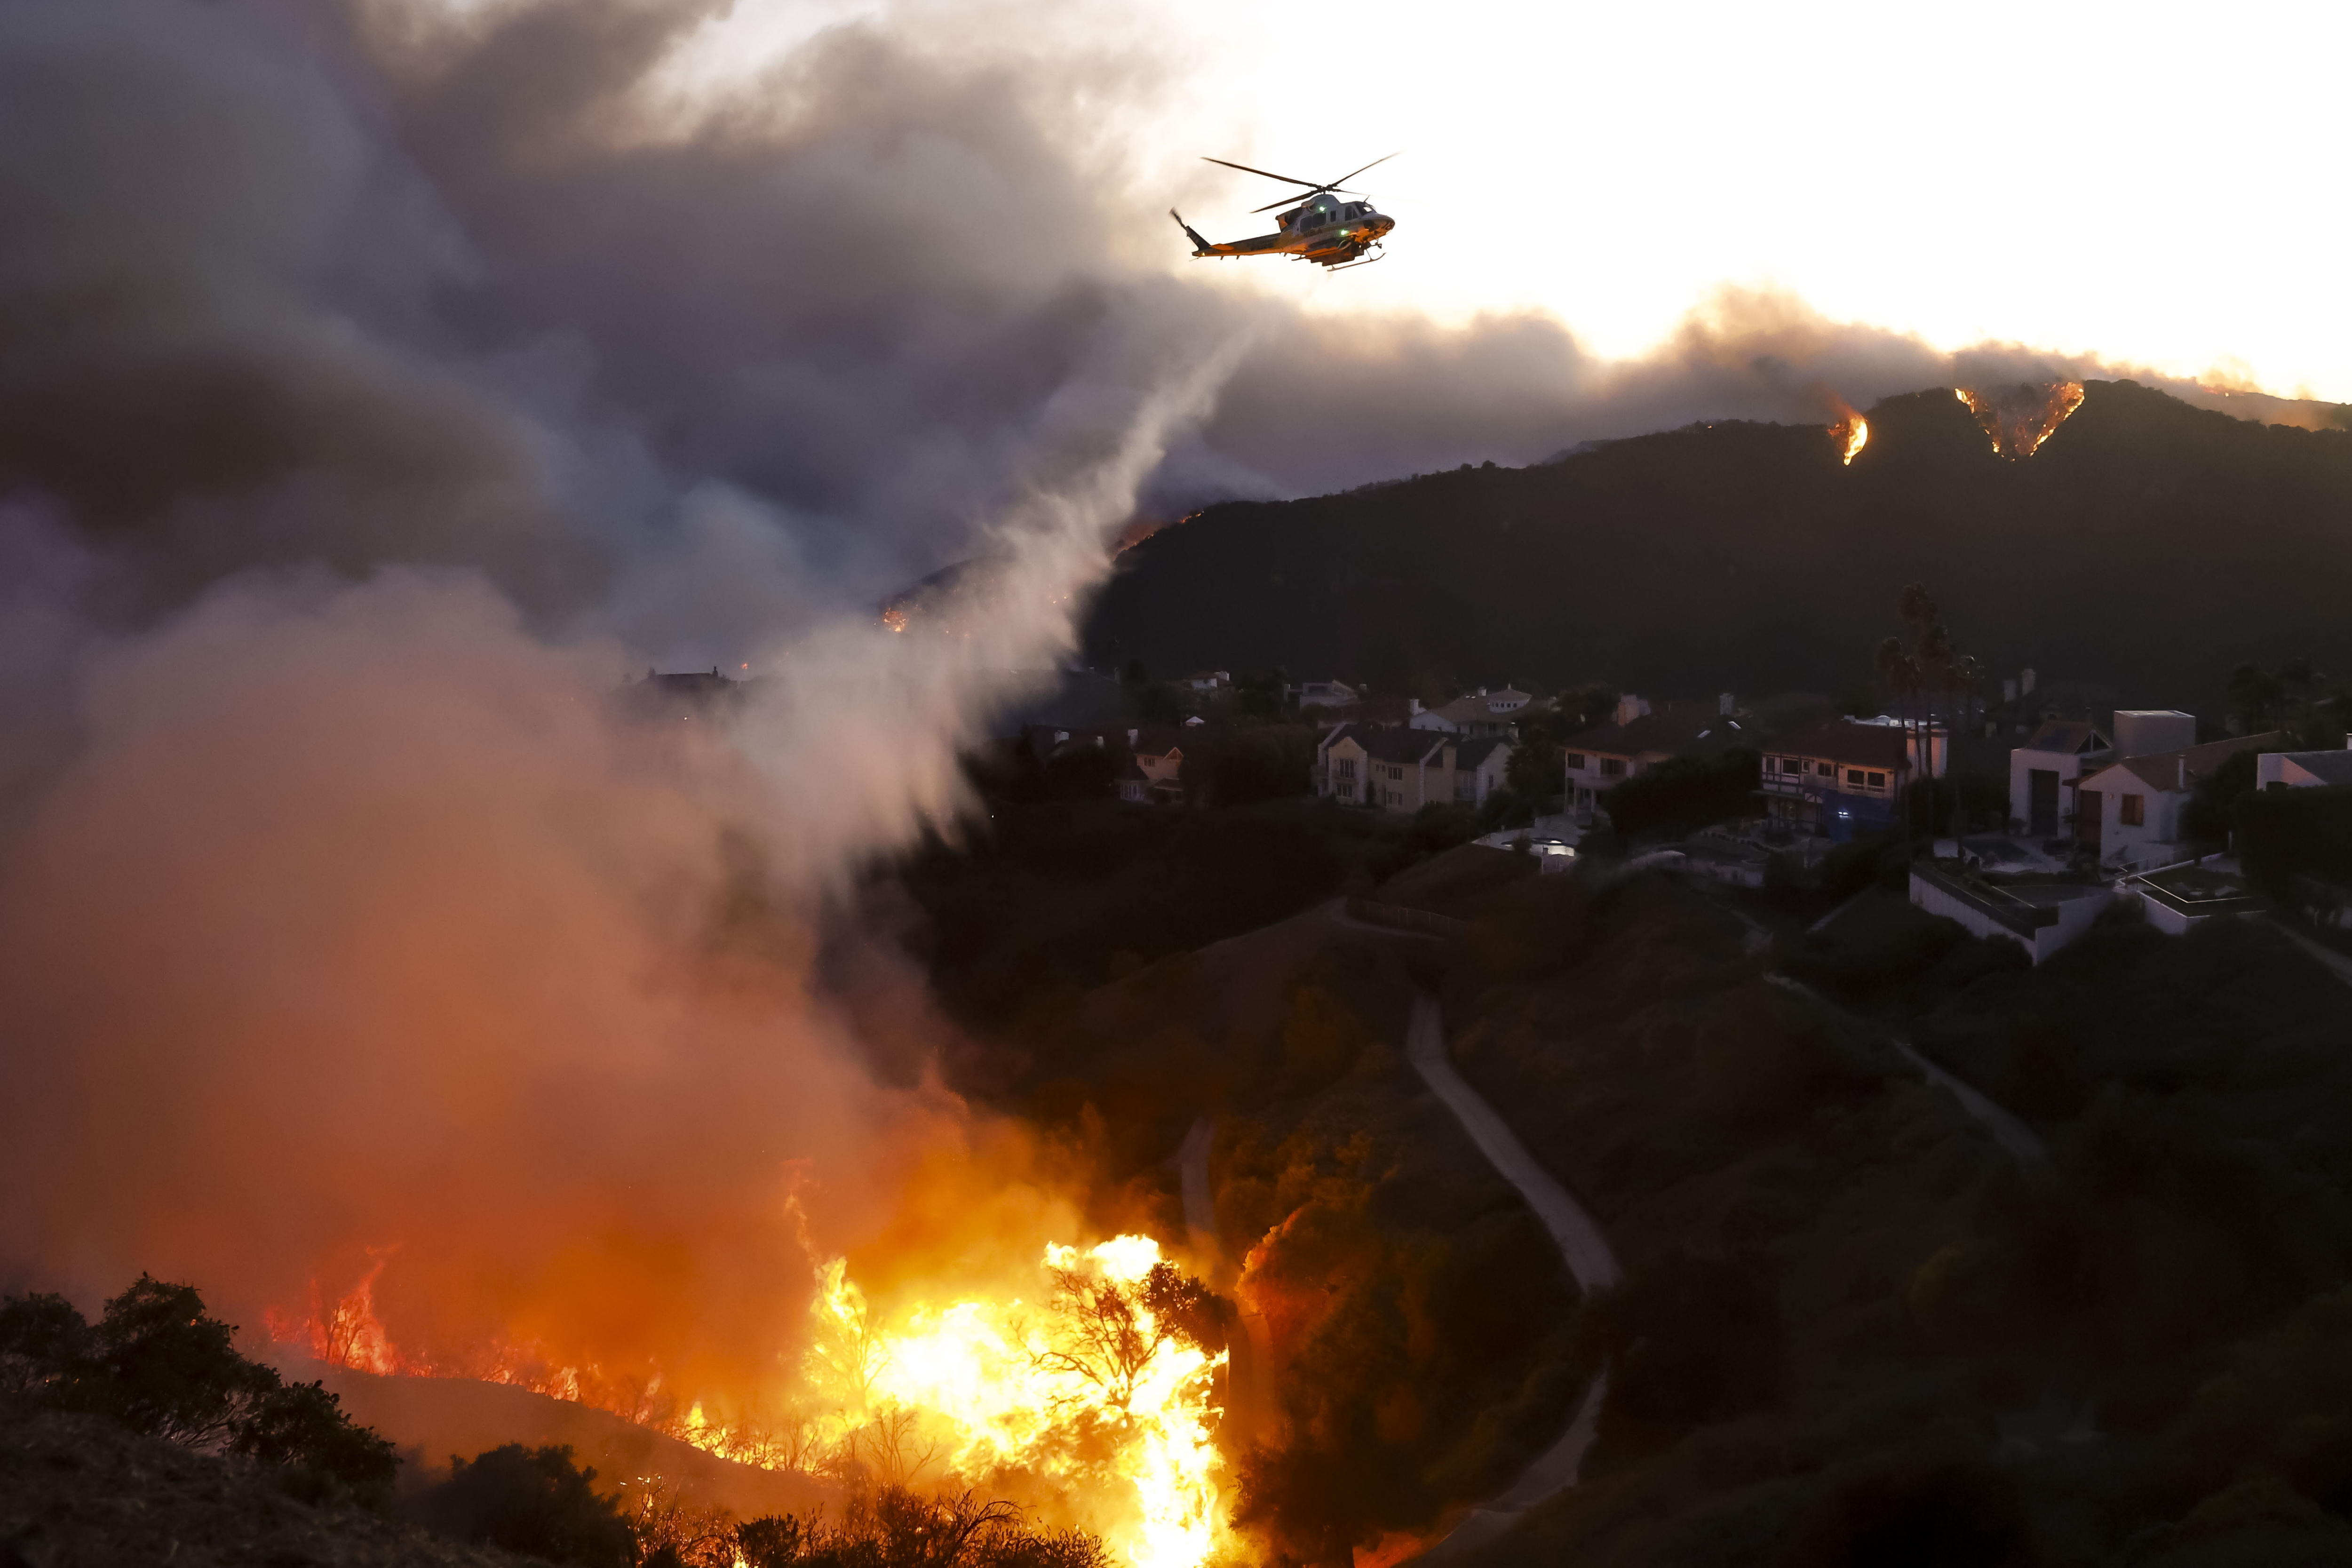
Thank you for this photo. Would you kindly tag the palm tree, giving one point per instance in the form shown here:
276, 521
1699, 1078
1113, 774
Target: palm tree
1901, 674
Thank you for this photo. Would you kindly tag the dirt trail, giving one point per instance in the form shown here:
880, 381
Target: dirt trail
1581, 1243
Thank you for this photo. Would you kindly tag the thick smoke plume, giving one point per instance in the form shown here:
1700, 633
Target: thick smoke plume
377, 386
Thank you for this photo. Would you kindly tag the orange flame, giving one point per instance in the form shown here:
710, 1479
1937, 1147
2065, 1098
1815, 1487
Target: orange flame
1855, 434
972, 1387
2018, 419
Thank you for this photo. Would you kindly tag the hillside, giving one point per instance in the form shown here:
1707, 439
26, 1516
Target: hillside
2144, 550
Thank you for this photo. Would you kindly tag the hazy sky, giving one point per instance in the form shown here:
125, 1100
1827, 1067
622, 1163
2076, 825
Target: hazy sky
2159, 184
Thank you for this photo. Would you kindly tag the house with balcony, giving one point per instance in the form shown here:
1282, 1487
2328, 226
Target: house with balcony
1846, 776
1638, 737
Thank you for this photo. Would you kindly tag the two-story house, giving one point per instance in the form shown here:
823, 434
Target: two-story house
1154, 772
1638, 739
1400, 768
2044, 768
1846, 776
1481, 712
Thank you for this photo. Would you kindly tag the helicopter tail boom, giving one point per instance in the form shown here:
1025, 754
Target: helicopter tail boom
1200, 245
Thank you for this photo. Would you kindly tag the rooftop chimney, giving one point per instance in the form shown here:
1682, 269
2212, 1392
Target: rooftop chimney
2025, 684
2009, 690
1723, 705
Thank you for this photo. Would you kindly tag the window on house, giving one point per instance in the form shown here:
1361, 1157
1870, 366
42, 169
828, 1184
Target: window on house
1612, 767
2130, 810
1878, 781
1576, 762
1827, 770
1793, 764
1853, 777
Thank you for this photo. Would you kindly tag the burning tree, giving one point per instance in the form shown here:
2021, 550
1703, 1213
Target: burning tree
1109, 1330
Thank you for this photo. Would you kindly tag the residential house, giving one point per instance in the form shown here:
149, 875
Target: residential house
1846, 776
1400, 768
1380, 710
1326, 694
2144, 732
2128, 812
1637, 739
1209, 680
2044, 769
1478, 764
1482, 712
1153, 775
2303, 770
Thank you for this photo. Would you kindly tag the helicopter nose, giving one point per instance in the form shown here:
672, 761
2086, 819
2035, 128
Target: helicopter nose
1385, 223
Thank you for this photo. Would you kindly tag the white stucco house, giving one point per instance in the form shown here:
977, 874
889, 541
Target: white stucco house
2044, 769
2128, 812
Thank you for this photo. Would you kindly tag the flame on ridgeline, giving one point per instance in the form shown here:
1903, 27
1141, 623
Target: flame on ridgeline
1116, 1426
2018, 419
1851, 433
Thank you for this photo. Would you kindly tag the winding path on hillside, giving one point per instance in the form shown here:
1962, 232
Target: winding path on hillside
1581, 1244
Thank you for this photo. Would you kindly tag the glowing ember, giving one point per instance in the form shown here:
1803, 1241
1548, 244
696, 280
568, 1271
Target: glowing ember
2018, 419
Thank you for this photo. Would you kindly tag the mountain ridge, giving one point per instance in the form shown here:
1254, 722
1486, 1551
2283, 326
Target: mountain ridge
2145, 548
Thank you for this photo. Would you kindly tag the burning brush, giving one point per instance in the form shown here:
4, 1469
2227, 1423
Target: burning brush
1851, 434
2018, 419
1094, 1387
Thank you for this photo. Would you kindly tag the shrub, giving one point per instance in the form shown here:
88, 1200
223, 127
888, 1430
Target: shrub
531, 1500
158, 1365
1683, 793
1688, 1338
893, 1527
2289, 834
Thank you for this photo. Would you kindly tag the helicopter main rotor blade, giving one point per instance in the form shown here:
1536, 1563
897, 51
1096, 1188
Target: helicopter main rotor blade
1312, 191
1352, 173
1286, 179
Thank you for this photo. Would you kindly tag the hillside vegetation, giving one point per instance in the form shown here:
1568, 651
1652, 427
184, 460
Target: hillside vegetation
1745, 555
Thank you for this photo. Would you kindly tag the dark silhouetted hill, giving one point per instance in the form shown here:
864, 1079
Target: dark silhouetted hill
2147, 547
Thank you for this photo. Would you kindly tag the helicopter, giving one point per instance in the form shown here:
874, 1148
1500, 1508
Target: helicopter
1333, 234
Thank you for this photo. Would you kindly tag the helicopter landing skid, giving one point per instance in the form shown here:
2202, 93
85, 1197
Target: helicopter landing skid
1362, 261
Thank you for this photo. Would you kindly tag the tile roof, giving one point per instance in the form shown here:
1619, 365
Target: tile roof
2070, 735
1394, 743
1844, 740
1670, 732
2163, 772
2336, 766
